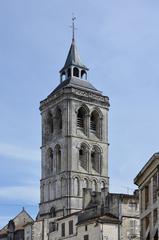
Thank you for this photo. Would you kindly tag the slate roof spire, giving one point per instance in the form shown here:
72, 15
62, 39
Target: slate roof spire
73, 57
73, 66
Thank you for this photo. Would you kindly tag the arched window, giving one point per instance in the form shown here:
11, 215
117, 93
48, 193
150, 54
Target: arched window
58, 158
63, 186
96, 159
42, 192
76, 186
55, 189
69, 72
75, 72
45, 192
49, 162
52, 212
83, 157
49, 191
50, 123
58, 119
94, 186
85, 183
63, 76
102, 184
95, 123
81, 118
84, 75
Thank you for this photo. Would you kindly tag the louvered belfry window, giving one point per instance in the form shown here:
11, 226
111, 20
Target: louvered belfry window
93, 123
80, 118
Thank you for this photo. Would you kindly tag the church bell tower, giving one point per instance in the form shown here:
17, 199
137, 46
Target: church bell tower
74, 140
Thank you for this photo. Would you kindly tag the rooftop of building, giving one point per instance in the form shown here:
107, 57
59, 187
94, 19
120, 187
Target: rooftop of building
106, 218
77, 83
19, 221
125, 195
155, 157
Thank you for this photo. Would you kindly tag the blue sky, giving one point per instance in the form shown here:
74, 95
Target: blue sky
118, 41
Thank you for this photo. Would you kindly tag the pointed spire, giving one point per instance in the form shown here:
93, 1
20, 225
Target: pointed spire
73, 67
73, 58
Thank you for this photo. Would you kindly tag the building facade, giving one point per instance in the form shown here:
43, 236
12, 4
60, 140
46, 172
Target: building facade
126, 208
14, 230
148, 182
114, 216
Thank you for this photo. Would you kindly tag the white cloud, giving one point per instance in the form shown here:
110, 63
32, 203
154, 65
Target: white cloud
26, 194
19, 152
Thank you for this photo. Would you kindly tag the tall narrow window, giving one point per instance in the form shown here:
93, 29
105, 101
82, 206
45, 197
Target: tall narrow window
95, 123
85, 183
42, 192
155, 216
50, 123
155, 187
83, 157
147, 221
94, 186
96, 159
81, 118
63, 186
52, 212
49, 191
49, 162
63, 229
76, 186
102, 184
132, 227
58, 158
58, 119
146, 196
70, 227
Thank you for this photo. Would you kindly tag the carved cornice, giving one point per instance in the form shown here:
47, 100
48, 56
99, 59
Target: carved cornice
71, 92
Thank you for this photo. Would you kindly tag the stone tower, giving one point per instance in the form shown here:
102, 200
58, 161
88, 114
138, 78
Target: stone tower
74, 140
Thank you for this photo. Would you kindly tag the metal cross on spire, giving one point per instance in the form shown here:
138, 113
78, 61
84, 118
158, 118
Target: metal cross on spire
73, 27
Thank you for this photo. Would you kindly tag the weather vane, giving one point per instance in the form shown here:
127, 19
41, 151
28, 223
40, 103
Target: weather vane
73, 27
